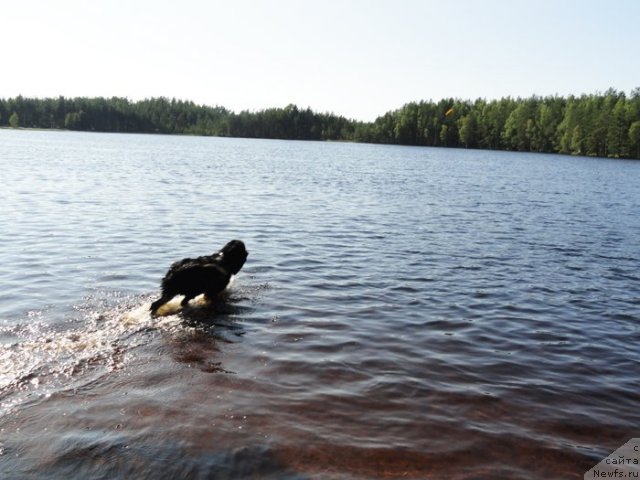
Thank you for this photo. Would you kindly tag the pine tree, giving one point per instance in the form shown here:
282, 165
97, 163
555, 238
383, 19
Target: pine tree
14, 120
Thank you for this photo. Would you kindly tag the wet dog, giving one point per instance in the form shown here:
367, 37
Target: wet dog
209, 274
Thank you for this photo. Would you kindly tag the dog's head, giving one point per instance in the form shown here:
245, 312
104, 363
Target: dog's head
233, 255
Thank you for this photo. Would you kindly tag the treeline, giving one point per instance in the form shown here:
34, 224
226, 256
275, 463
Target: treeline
169, 116
604, 124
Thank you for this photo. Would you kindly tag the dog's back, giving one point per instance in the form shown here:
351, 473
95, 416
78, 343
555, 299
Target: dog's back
209, 274
193, 279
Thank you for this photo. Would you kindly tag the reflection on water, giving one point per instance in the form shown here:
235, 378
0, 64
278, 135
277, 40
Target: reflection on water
405, 312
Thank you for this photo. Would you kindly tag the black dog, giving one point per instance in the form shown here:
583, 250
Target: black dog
209, 275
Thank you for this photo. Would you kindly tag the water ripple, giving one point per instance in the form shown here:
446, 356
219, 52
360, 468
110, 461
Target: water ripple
404, 312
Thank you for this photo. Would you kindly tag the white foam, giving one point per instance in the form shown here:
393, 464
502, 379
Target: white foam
41, 357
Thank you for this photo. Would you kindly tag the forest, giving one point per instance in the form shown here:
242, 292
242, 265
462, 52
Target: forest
602, 124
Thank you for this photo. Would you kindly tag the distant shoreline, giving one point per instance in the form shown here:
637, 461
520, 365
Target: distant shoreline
599, 125
62, 130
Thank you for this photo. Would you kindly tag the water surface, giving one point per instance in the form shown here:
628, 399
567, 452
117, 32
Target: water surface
404, 312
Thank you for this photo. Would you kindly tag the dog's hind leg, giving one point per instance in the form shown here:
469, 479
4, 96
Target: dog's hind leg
185, 301
214, 293
158, 303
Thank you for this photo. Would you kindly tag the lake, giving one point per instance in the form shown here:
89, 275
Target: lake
404, 312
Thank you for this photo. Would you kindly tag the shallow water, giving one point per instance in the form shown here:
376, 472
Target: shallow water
404, 312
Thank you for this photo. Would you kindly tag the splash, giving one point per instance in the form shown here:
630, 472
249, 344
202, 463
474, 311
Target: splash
38, 359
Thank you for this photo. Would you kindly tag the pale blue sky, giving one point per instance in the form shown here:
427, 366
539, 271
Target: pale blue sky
357, 58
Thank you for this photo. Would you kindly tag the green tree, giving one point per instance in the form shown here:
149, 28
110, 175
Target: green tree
617, 131
549, 117
596, 115
634, 138
406, 124
521, 129
469, 130
566, 128
14, 120
494, 116
577, 141
74, 121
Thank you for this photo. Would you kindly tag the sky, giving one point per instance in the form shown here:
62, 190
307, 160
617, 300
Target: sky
357, 58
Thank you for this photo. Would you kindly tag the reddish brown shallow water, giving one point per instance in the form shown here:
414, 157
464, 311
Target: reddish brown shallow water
404, 313
173, 409
308, 399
